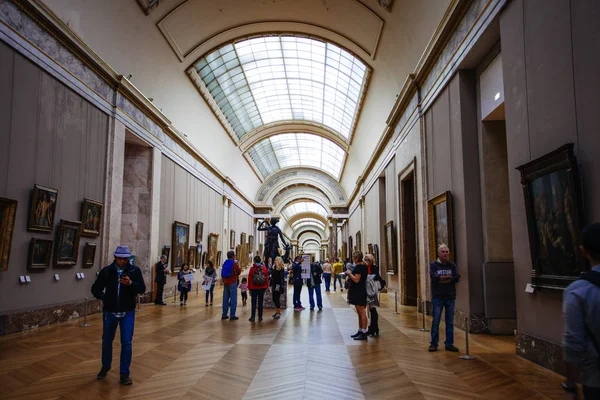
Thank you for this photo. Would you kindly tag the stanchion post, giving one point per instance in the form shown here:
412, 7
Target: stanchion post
85, 324
423, 329
467, 356
197, 288
396, 302
139, 300
175, 294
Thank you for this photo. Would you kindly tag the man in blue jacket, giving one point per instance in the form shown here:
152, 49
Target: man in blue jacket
443, 289
117, 285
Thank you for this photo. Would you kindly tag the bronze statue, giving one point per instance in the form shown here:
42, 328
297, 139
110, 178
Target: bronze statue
272, 240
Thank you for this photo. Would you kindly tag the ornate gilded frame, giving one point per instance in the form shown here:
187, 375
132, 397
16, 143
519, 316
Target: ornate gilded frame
442, 200
8, 210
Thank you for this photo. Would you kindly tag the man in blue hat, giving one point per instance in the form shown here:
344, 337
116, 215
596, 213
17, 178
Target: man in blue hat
117, 286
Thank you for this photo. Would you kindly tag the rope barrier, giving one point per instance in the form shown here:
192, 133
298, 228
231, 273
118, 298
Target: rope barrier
175, 294
423, 329
85, 311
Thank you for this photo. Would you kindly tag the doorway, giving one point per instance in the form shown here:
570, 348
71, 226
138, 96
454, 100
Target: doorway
408, 238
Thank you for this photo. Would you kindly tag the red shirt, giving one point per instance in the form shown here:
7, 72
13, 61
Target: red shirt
251, 284
234, 275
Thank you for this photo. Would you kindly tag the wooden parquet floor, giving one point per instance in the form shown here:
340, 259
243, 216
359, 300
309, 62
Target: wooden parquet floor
189, 353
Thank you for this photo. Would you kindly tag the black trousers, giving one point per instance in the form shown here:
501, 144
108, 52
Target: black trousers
591, 393
184, 294
159, 293
257, 296
277, 299
374, 319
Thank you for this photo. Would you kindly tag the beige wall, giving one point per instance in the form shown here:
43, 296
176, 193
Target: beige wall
52, 137
551, 99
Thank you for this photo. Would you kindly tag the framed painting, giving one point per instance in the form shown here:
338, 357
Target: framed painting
232, 240
213, 244
218, 263
191, 260
199, 260
67, 243
8, 211
439, 220
344, 252
390, 247
376, 253
242, 239
166, 250
358, 241
350, 248
261, 249
553, 205
43, 208
204, 259
40, 253
180, 245
91, 217
89, 255
238, 253
370, 248
199, 231
251, 244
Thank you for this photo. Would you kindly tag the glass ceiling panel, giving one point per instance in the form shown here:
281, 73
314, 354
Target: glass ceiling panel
297, 149
307, 221
303, 207
276, 78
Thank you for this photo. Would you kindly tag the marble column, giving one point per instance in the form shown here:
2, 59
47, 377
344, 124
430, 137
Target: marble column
113, 200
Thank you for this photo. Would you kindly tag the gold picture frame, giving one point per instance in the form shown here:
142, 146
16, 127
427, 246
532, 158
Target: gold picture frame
43, 209
91, 217
180, 245
390, 249
440, 224
8, 211
213, 244
67, 243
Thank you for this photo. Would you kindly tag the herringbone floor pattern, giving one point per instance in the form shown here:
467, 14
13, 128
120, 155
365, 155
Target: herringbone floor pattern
189, 353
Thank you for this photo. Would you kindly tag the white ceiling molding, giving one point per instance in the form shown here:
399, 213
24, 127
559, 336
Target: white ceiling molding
312, 215
297, 233
194, 27
300, 197
299, 192
294, 176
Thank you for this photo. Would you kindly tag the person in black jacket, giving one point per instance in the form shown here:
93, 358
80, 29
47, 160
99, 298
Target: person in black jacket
117, 285
314, 285
443, 289
161, 270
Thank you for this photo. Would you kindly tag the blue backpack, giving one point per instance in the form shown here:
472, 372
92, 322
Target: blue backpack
227, 269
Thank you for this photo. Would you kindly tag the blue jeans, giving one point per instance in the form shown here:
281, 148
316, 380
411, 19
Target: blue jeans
311, 290
210, 292
327, 278
337, 278
109, 328
230, 293
438, 304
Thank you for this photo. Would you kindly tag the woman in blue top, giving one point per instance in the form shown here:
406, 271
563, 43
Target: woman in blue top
184, 287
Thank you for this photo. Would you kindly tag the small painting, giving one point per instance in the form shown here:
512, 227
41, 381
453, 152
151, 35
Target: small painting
439, 215
199, 231
180, 239
67, 243
218, 263
390, 247
199, 255
8, 211
166, 250
376, 253
551, 189
213, 245
91, 217
192, 257
350, 247
43, 208
232, 240
40, 253
89, 255
204, 258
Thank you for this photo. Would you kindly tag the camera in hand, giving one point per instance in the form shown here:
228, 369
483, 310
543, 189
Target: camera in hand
121, 273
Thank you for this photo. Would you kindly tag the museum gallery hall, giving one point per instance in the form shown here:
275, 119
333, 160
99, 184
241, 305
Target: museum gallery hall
345, 199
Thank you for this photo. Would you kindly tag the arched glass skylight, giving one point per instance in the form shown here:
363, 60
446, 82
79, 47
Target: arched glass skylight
304, 207
297, 149
266, 79
311, 223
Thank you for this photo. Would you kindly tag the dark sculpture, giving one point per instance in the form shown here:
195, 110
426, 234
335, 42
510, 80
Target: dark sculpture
272, 241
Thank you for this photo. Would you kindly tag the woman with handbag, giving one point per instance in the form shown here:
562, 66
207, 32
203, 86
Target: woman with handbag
357, 293
184, 285
278, 285
373, 301
210, 277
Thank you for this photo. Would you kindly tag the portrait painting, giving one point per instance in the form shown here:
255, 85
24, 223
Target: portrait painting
554, 215
89, 255
180, 245
166, 250
8, 211
390, 250
218, 263
199, 231
91, 217
213, 245
191, 260
232, 240
40, 253
67, 243
199, 260
439, 219
43, 209
376, 253
251, 244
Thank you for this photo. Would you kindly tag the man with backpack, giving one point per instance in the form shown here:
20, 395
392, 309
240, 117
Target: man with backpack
258, 282
229, 274
581, 310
